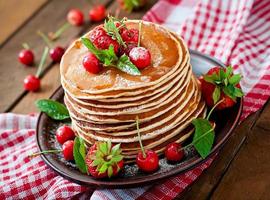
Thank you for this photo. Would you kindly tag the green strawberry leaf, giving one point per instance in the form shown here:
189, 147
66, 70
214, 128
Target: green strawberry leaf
110, 171
115, 149
53, 109
204, 136
229, 90
235, 79
125, 65
103, 168
238, 92
216, 95
78, 157
103, 147
229, 71
211, 78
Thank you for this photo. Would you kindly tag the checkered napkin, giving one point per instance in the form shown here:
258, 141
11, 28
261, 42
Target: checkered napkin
236, 32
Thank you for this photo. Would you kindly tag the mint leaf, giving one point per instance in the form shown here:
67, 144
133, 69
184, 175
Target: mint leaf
125, 65
53, 109
216, 95
113, 31
204, 136
79, 155
107, 56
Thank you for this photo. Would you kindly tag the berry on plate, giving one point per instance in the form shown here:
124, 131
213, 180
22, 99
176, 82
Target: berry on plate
140, 57
104, 160
130, 35
147, 160
75, 17
26, 56
64, 133
91, 64
174, 152
31, 83
97, 13
104, 41
221, 84
57, 53
68, 150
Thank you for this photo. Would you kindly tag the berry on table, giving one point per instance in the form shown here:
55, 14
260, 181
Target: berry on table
57, 53
148, 160
31, 83
97, 13
64, 133
75, 17
68, 150
140, 57
174, 152
91, 64
26, 57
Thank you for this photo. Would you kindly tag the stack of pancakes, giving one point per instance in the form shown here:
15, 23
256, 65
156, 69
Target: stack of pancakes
166, 96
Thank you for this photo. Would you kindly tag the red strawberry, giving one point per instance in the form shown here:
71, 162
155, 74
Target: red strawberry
97, 32
104, 42
221, 84
130, 35
104, 160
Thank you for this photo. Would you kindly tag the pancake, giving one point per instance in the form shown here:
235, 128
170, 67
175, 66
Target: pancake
166, 97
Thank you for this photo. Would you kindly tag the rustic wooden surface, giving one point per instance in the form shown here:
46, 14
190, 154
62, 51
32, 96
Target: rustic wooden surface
242, 169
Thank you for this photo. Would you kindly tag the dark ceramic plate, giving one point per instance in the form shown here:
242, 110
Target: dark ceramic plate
226, 121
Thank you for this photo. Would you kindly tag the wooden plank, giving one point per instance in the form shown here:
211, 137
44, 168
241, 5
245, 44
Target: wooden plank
249, 175
211, 177
14, 13
52, 80
50, 18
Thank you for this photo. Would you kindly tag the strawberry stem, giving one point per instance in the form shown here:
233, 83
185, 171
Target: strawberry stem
59, 32
42, 61
139, 135
140, 30
45, 38
45, 152
212, 109
25, 46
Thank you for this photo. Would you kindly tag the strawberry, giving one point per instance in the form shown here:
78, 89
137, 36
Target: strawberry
130, 35
104, 41
97, 32
221, 84
104, 160
130, 5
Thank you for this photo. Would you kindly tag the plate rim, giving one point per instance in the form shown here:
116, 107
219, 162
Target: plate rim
150, 177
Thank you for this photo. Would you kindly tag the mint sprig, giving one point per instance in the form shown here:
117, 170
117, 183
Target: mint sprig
113, 31
79, 153
53, 109
225, 81
109, 58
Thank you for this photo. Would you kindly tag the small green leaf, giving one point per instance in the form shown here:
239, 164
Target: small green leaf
229, 91
96, 162
216, 94
125, 65
209, 79
103, 168
113, 31
238, 92
203, 138
53, 109
222, 74
117, 158
115, 149
110, 171
229, 71
109, 146
103, 147
235, 79
82, 149
78, 158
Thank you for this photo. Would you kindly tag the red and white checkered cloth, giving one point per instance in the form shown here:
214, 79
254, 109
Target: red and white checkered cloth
236, 32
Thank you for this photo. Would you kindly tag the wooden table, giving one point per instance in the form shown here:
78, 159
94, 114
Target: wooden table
242, 169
